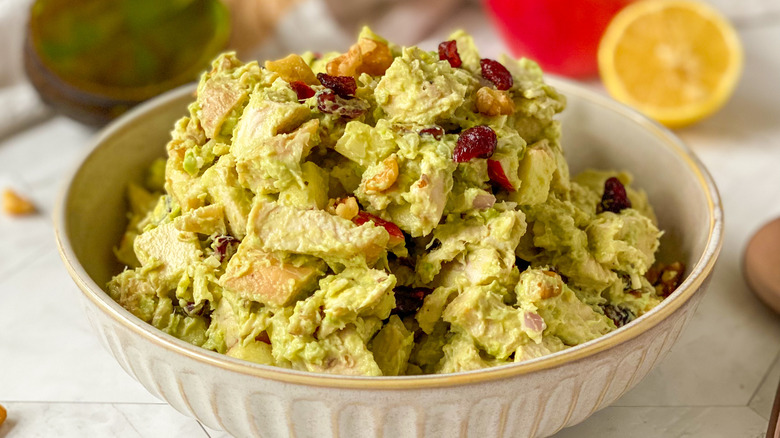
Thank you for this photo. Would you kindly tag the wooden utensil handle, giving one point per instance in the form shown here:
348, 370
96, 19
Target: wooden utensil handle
774, 420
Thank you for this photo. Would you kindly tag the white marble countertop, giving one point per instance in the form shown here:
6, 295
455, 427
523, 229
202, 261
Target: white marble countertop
718, 381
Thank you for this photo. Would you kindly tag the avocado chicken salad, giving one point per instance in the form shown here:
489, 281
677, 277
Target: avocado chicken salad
384, 211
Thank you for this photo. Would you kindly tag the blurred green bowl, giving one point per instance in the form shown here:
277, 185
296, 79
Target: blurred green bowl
94, 59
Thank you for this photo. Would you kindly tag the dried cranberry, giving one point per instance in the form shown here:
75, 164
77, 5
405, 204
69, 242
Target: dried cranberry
329, 102
497, 175
302, 90
326, 102
192, 309
225, 246
614, 198
342, 85
448, 50
396, 235
436, 131
619, 315
263, 337
477, 142
496, 73
408, 300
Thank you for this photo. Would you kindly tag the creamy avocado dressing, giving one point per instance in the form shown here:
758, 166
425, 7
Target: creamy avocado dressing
405, 217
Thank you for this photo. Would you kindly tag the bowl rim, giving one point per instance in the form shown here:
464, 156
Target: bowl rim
698, 274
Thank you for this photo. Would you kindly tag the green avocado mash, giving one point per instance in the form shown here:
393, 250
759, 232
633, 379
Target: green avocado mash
382, 212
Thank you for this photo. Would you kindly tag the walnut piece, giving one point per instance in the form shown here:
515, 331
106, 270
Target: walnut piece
376, 57
551, 289
366, 56
346, 208
665, 278
15, 205
385, 177
293, 68
492, 102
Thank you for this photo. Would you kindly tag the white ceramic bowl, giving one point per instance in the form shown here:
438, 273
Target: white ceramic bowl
530, 399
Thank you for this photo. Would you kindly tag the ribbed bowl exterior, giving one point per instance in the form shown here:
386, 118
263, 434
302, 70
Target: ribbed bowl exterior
536, 405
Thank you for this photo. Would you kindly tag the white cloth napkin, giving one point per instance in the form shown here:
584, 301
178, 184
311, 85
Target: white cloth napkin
19, 101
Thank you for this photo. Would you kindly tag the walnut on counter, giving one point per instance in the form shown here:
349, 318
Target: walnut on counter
16, 205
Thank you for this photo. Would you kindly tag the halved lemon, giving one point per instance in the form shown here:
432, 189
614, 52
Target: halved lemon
677, 61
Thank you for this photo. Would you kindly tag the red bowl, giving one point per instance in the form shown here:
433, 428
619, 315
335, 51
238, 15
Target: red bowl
561, 35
